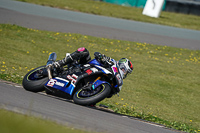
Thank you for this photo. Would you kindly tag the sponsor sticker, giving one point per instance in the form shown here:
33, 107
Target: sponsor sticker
94, 69
119, 78
115, 69
53, 82
60, 84
72, 78
87, 65
88, 71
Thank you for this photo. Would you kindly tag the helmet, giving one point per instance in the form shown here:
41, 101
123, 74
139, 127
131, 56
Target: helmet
126, 66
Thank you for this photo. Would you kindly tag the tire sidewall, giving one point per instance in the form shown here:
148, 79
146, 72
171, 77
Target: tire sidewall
34, 85
93, 99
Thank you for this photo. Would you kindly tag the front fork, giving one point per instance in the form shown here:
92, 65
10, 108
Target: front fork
49, 71
51, 60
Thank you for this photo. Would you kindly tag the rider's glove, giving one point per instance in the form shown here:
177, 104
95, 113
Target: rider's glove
98, 56
57, 64
107, 60
103, 59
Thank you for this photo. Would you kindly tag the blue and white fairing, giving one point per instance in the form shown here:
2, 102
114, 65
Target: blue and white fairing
115, 71
70, 81
61, 84
117, 74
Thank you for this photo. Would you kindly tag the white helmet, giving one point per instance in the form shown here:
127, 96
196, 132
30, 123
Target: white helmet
126, 66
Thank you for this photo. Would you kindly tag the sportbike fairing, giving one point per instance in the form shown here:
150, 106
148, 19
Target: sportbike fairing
94, 67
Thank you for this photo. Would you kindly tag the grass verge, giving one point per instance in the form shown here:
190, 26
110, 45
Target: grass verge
11, 122
164, 85
131, 13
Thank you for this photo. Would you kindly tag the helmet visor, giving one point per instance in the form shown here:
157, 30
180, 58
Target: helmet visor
124, 70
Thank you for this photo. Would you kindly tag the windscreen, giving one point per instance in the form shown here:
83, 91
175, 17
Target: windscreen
52, 58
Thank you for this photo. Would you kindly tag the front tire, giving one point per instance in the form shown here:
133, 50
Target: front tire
90, 96
32, 83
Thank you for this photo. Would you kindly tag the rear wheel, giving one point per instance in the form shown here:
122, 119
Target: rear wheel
90, 96
33, 81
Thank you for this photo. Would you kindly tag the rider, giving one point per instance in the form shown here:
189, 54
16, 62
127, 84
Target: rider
82, 55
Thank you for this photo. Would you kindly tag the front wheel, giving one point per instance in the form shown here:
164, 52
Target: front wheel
88, 96
33, 81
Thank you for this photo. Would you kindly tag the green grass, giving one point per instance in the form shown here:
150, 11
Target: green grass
11, 122
164, 85
131, 13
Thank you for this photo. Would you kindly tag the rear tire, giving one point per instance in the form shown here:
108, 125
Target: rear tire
101, 94
33, 84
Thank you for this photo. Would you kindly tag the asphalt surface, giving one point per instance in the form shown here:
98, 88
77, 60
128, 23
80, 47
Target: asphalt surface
53, 19
13, 97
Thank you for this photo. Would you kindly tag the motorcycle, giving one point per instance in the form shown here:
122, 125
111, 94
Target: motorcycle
85, 84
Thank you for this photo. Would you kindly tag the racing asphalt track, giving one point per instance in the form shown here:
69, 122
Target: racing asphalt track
13, 97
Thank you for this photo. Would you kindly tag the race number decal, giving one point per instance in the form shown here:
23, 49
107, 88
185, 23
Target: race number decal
51, 82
